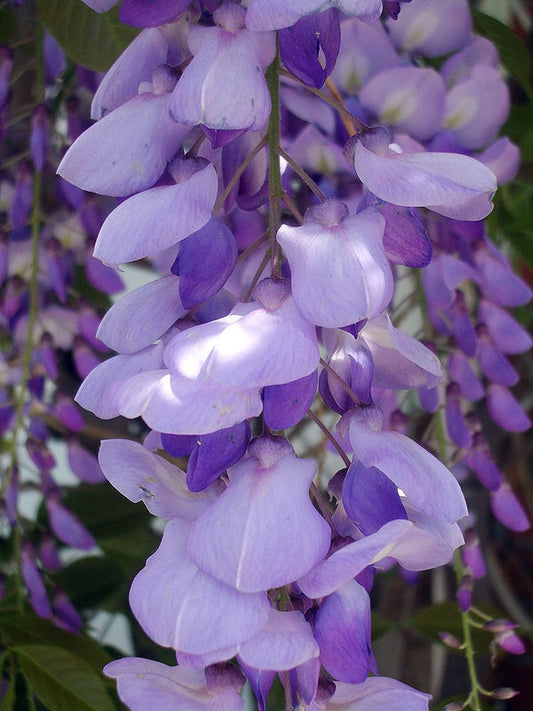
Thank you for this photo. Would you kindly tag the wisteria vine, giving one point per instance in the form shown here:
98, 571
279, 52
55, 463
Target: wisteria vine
308, 182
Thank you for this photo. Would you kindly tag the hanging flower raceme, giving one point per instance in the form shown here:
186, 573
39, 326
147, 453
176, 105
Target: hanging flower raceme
274, 247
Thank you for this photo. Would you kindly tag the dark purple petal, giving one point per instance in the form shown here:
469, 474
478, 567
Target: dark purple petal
342, 630
66, 526
480, 461
260, 680
456, 425
83, 463
140, 13
405, 239
508, 510
213, 453
285, 405
302, 44
205, 261
370, 498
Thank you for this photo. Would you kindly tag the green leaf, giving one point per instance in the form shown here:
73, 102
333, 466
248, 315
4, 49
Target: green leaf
513, 52
62, 681
8, 699
90, 582
446, 617
29, 629
87, 37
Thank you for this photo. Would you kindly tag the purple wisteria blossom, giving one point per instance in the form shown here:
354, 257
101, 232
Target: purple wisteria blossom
281, 223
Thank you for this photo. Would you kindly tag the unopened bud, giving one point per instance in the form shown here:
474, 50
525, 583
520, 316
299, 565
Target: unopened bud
504, 693
450, 640
454, 706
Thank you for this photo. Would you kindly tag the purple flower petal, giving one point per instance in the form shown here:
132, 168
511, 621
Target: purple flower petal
83, 463
275, 14
377, 692
66, 526
342, 630
180, 606
205, 260
432, 29
448, 183
301, 45
425, 480
370, 498
102, 387
142, 316
400, 362
271, 487
344, 252
135, 65
508, 510
143, 683
405, 238
285, 642
285, 405
157, 218
507, 334
139, 13
142, 476
213, 453
409, 98
505, 410
235, 61
127, 150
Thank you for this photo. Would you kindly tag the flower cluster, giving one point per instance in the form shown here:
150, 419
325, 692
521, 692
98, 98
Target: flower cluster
47, 233
279, 164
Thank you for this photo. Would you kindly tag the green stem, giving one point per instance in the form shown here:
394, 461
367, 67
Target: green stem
275, 190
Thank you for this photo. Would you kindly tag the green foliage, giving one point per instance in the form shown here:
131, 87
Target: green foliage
61, 680
446, 617
87, 37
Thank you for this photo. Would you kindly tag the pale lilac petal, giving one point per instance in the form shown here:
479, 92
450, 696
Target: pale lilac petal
365, 51
142, 316
347, 254
375, 694
181, 607
431, 27
461, 372
508, 510
349, 561
226, 541
503, 158
238, 355
157, 218
127, 150
480, 50
409, 98
415, 547
505, 410
427, 483
275, 14
140, 475
498, 281
342, 630
261, 682
135, 65
400, 362
100, 390
232, 61
179, 405
143, 683
452, 184
477, 107
285, 642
